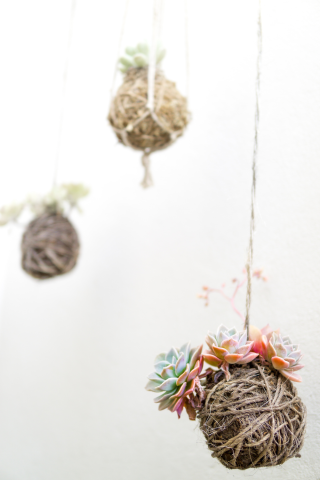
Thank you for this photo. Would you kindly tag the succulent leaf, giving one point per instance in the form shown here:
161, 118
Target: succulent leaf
181, 391
166, 403
196, 354
126, 61
161, 53
247, 358
194, 373
279, 363
183, 377
171, 355
152, 386
185, 349
190, 386
212, 359
163, 396
158, 367
160, 357
154, 376
181, 364
233, 358
143, 47
140, 60
131, 51
168, 385
168, 372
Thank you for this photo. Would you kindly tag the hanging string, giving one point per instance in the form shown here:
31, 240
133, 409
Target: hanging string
157, 7
116, 68
186, 28
254, 175
156, 26
63, 94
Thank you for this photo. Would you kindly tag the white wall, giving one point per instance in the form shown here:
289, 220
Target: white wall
75, 351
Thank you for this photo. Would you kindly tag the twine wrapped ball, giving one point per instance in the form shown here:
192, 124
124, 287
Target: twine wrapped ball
50, 246
133, 122
256, 419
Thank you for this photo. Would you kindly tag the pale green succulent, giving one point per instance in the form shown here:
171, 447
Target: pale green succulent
56, 201
74, 192
176, 377
139, 56
58, 198
10, 213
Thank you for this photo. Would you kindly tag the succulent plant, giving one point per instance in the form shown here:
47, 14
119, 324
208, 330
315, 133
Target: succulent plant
55, 201
175, 377
139, 56
10, 213
228, 346
60, 195
278, 351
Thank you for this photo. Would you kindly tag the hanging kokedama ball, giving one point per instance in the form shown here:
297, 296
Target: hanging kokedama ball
249, 411
134, 122
50, 246
256, 419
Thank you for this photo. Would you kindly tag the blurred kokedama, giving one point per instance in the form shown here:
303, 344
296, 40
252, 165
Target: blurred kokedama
139, 123
50, 244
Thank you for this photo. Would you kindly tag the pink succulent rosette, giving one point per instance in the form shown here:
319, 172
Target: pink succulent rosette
228, 346
279, 351
176, 379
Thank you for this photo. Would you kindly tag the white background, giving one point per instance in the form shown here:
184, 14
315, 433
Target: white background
75, 351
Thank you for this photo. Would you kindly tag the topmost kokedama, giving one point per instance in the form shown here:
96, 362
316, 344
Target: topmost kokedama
141, 122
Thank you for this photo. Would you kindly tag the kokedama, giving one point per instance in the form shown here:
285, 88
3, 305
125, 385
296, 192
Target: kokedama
248, 409
135, 123
50, 244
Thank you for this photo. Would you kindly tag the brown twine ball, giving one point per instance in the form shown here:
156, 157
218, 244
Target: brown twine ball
50, 246
135, 125
256, 419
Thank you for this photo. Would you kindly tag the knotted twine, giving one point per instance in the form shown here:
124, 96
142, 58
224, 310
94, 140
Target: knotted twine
256, 419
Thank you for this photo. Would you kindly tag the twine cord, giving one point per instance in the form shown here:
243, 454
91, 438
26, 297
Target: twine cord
255, 419
186, 21
63, 93
157, 8
157, 14
254, 176
124, 19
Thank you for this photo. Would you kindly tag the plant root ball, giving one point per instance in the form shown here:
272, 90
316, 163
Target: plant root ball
50, 246
256, 419
133, 122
